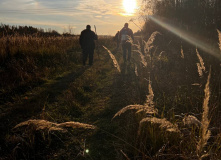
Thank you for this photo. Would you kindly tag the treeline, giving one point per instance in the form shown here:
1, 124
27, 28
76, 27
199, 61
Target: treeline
7, 30
198, 16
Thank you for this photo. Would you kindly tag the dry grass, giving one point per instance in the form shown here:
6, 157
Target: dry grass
219, 36
35, 45
145, 49
113, 59
182, 54
191, 120
44, 125
28, 59
135, 70
139, 108
205, 133
143, 60
200, 66
164, 124
148, 45
147, 108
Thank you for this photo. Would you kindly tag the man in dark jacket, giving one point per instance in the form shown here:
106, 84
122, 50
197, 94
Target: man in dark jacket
124, 35
86, 40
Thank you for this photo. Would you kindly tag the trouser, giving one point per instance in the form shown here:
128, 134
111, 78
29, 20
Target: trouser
126, 46
86, 53
118, 44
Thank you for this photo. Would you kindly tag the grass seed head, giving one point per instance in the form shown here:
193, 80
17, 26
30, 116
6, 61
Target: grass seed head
164, 124
113, 59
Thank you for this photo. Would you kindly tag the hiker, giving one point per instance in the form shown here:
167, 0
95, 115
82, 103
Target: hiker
124, 35
86, 40
116, 39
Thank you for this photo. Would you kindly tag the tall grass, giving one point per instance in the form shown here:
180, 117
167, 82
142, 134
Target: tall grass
200, 66
182, 53
28, 58
113, 59
174, 130
147, 107
219, 36
205, 133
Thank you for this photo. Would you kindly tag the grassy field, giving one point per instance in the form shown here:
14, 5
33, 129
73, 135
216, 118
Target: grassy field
165, 104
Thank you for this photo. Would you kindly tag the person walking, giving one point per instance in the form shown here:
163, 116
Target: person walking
87, 43
124, 35
116, 39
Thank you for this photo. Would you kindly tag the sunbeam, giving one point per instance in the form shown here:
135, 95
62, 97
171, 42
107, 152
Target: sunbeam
187, 37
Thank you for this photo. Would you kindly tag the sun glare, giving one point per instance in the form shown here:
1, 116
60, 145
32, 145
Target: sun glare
129, 6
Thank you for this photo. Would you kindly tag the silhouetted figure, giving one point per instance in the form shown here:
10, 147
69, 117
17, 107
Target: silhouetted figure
86, 39
117, 39
124, 35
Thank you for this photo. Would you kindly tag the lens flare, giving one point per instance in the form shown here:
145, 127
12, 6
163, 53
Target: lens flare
187, 37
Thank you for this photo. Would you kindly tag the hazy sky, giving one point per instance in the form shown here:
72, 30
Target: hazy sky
108, 15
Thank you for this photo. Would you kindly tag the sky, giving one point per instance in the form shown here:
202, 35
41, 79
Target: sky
108, 16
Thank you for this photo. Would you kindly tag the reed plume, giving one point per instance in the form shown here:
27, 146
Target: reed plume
182, 54
139, 50
113, 59
146, 48
219, 36
149, 43
199, 69
160, 55
143, 61
191, 120
205, 132
200, 60
139, 108
43, 125
135, 70
200, 66
164, 124
149, 98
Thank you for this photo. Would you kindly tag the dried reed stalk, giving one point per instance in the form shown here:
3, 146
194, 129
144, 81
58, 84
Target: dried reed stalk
135, 70
200, 65
150, 96
199, 69
143, 61
113, 59
149, 44
144, 108
182, 54
148, 106
200, 60
205, 132
124, 154
219, 36
160, 55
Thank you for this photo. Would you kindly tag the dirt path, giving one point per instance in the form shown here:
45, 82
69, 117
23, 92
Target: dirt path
31, 103
100, 91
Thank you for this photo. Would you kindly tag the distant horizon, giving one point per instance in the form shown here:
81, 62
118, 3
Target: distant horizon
108, 16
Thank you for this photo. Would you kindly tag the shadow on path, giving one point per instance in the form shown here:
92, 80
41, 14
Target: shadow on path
32, 102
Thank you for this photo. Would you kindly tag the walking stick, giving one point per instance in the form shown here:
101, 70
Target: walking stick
97, 46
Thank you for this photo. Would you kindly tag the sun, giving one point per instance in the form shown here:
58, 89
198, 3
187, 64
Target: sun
129, 6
